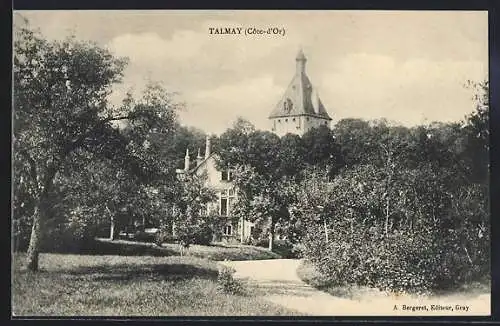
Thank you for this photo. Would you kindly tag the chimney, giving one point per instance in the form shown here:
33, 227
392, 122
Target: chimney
199, 158
186, 160
207, 147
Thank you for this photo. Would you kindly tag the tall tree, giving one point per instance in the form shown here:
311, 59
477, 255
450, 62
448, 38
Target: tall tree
322, 149
61, 112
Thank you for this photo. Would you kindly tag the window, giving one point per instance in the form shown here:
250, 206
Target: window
286, 120
223, 206
293, 119
227, 198
227, 175
228, 230
279, 120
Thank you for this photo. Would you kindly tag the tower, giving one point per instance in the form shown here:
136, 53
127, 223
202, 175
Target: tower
300, 108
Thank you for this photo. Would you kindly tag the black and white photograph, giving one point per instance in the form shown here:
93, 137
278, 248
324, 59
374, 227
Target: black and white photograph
250, 163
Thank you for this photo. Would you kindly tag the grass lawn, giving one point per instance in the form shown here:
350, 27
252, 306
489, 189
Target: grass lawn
217, 252
91, 285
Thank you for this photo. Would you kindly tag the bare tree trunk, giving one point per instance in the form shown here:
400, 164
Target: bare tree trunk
112, 229
271, 234
38, 219
242, 232
112, 224
271, 240
326, 230
387, 215
35, 241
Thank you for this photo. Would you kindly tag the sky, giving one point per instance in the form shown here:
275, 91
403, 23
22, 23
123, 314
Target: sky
405, 66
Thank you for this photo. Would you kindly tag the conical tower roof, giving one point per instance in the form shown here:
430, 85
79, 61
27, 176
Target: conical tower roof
300, 98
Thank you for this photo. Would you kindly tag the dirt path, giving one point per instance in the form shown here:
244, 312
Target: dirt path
277, 281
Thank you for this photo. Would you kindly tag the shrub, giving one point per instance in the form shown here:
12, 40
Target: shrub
402, 262
284, 248
227, 283
203, 235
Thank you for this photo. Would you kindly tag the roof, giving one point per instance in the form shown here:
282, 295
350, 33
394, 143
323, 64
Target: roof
203, 162
300, 97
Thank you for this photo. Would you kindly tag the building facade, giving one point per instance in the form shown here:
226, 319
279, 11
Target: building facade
298, 110
221, 182
300, 107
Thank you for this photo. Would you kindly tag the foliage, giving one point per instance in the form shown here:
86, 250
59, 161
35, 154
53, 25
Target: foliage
191, 224
62, 117
421, 241
285, 248
227, 283
410, 211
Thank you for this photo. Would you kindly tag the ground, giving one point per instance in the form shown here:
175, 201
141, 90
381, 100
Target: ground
144, 285
212, 252
111, 285
277, 281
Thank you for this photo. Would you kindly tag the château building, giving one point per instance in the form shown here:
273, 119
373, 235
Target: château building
298, 110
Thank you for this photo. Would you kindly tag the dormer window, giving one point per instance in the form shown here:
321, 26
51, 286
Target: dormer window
288, 105
227, 175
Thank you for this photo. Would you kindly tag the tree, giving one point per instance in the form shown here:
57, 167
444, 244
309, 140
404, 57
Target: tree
61, 112
292, 155
355, 138
233, 142
191, 217
313, 204
322, 149
476, 128
264, 200
259, 176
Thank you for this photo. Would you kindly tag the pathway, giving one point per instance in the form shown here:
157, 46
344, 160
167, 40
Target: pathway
277, 281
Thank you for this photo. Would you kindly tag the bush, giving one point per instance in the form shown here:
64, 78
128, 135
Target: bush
400, 262
203, 235
284, 248
227, 283
70, 234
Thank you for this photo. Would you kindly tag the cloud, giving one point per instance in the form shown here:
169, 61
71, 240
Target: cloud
217, 108
196, 47
220, 77
150, 47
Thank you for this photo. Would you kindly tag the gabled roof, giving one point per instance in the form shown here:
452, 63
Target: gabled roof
202, 163
300, 97
199, 165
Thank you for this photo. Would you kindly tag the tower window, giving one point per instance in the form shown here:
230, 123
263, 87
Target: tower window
279, 120
286, 120
293, 119
307, 119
